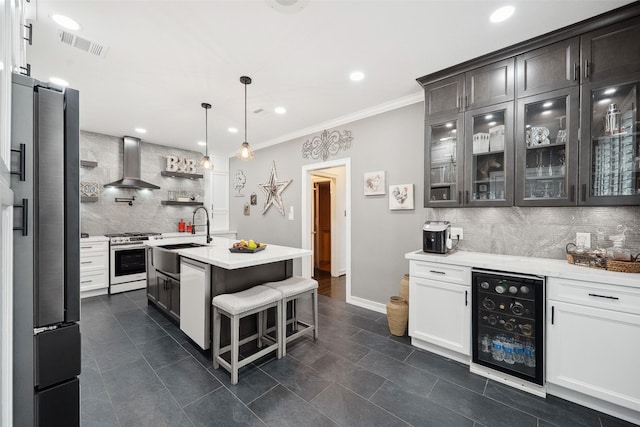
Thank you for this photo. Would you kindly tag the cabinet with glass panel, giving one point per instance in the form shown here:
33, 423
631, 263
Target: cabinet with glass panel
610, 151
443, 162
547, 149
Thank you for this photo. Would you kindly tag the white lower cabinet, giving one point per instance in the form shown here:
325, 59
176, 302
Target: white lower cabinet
94, 268
593, 340
440, 310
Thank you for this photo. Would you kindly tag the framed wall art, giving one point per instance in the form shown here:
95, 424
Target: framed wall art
400, 196
374, 183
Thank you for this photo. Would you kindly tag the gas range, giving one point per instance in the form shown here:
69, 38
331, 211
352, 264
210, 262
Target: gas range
131, 238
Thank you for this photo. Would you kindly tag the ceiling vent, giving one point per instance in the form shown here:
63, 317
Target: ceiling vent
83, 44
287, 6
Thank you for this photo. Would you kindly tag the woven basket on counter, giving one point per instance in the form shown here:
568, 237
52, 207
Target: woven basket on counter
595, 260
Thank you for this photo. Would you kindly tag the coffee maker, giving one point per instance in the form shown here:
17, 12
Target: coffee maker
436, 237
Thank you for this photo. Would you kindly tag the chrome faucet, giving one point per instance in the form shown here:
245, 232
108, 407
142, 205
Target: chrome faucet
193, 221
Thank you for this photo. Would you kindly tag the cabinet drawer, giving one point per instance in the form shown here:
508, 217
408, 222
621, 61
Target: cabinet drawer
94, 280
593, 294
442, 272
94, 247
94, 261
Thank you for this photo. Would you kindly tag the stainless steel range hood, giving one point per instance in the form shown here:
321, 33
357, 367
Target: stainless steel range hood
131, 167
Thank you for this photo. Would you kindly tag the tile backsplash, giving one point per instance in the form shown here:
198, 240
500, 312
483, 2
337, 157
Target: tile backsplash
146, 214
538, 232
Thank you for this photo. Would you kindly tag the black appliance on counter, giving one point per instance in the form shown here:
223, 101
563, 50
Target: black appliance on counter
46, 248
436, 237
508, 323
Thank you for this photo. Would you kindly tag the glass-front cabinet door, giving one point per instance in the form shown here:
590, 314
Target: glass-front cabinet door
547, 149
489, 156
443, 158
610, 156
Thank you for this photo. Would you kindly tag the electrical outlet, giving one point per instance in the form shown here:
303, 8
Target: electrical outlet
456, 232
583, 239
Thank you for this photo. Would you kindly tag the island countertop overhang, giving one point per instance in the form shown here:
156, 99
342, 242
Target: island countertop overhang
217, 253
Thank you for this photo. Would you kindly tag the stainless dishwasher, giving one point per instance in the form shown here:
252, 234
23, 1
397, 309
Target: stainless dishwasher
508, 323
195, 301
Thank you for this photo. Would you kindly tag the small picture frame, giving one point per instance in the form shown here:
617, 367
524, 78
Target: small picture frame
254, 199
400, 196
246, 209
374, 183
482, 188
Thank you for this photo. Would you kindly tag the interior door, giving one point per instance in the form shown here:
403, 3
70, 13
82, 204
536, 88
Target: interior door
314, 228
324, 225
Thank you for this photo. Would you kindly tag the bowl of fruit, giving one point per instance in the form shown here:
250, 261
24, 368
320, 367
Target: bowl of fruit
247, 247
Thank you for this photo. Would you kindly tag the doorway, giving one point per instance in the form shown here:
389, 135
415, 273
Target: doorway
326, 227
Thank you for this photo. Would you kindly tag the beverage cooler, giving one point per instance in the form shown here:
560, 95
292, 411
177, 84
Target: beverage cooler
508, 323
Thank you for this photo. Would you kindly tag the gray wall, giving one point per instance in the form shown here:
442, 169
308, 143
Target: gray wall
147, 213
393, 141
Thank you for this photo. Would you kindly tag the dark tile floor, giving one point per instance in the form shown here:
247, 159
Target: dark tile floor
138, 369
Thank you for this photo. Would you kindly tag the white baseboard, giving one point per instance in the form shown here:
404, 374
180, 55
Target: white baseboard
365, 303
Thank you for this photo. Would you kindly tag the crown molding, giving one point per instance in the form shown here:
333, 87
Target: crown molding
339, 121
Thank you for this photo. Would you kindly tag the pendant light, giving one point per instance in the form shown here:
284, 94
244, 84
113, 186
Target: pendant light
206, 162
245, 152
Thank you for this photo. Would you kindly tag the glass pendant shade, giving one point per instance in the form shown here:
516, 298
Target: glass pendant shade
245, 152
206, 162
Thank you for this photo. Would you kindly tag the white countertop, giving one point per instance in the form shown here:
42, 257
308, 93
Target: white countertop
529, 265
198, 233
217, 252
94, 239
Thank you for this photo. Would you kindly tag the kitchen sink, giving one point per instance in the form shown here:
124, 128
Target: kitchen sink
166, 258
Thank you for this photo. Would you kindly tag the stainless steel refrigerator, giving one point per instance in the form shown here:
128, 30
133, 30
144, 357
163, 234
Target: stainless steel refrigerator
45, 174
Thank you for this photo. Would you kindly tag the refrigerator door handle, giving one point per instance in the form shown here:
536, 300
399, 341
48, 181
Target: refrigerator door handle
25, 217
22, 172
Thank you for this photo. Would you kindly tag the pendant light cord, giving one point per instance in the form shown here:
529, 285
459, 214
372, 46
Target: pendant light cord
206, 132
245, 112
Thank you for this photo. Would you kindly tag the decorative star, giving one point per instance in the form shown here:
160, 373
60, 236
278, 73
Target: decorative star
273, 191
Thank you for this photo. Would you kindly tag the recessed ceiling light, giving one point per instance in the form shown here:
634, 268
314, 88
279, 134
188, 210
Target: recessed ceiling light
610, 91
604, 101
58, 81
502, 14
492, 123
547, 104
141, 130
449, 125
488, 116
233, 130
356, 76
66, 22
202, 143
280, 110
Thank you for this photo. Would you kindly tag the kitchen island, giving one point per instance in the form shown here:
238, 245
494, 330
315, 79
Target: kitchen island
209, 270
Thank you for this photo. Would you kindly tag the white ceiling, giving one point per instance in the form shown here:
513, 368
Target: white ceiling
164, 58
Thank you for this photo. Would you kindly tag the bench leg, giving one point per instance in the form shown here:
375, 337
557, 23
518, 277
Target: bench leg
314, 307
216, 337
281, 332
235, 338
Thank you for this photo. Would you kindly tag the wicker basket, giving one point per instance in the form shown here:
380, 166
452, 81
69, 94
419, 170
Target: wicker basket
397, 315
404, 288
624, 266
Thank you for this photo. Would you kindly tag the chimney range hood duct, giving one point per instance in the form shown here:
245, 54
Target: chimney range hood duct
131, 167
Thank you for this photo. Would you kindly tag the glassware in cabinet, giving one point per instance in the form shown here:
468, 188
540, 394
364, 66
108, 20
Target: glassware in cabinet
610, 171
489, 156
442, 163
547, 149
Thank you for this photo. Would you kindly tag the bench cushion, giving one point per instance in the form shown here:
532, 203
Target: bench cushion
293, 285
250, 299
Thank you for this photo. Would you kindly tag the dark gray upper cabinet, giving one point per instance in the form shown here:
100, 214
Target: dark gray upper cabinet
574, 108
489, 85
552, 67
444, 96
610, 142
611, 51
546, 143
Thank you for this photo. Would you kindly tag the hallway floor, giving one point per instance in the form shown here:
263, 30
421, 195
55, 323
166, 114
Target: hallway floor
138, 369
332, 287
